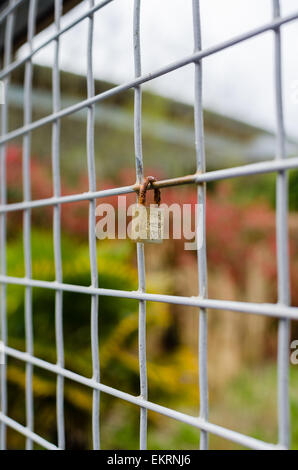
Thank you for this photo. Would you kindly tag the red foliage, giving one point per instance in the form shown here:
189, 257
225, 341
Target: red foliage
233, 231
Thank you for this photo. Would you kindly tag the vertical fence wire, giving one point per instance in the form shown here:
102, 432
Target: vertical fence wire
8, 50
201, 226
57, 228
27, 222
282, 247
140, 246
92, 238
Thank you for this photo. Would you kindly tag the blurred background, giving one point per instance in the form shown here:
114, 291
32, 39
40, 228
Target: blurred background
241, 245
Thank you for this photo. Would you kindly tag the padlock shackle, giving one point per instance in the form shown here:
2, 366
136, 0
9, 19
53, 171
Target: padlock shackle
143, 189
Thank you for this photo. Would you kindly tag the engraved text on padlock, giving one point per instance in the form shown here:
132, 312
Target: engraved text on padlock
147, 224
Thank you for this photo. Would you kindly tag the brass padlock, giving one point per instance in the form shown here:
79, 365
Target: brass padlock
148, 222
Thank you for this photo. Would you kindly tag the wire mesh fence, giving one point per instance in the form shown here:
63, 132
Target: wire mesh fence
282, 310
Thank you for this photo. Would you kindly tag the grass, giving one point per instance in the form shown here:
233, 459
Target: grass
247, 404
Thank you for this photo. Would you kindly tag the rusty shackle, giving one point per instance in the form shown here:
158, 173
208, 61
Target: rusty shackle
143, 189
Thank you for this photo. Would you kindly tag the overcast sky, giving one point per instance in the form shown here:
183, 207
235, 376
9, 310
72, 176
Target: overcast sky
237, 82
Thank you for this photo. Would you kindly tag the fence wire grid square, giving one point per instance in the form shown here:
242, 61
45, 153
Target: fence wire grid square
281, 310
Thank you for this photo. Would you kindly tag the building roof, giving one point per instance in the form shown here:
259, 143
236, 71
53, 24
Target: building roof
44, 16
168, 127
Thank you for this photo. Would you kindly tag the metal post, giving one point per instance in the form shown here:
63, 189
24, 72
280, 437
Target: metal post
140, 246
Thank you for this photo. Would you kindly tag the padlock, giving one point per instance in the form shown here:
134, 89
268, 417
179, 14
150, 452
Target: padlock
148, 222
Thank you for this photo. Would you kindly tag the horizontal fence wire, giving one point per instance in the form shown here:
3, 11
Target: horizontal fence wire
145, 78
271, 310
216, 175
281, 310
